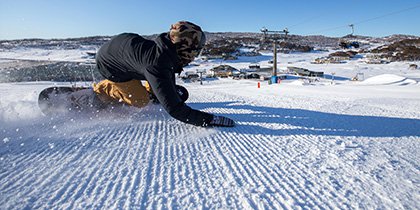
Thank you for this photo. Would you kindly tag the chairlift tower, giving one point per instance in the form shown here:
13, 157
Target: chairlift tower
201, 71
276, 36
352, 28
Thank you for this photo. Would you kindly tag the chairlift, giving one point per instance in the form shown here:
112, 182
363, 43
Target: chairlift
348, 41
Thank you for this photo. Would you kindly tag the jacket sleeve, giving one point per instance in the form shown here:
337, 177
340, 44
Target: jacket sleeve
163, 86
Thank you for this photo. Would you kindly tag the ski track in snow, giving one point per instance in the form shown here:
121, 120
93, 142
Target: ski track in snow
277, 157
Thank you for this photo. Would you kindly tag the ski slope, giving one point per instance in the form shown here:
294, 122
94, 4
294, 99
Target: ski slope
345, 146
328, 144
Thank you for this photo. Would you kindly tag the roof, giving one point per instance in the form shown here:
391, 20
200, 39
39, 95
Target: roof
223, 68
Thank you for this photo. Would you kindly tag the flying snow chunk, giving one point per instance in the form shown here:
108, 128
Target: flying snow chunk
5, 140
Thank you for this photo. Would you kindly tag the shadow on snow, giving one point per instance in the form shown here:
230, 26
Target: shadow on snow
284, 121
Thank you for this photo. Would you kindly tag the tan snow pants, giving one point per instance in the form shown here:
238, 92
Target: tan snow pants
132, 92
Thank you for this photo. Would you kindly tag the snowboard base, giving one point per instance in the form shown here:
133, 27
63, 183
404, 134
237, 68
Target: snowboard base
56, 100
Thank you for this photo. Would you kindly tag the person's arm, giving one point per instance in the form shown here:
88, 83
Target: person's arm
163, 87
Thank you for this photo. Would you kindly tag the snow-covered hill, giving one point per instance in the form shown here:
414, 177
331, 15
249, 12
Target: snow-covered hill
325, 144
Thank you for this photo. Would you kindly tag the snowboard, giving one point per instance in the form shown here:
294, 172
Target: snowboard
58, 100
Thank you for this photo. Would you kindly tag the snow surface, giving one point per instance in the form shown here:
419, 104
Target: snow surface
298, 144
385, 79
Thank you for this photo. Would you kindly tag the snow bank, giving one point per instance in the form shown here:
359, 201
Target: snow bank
387, 79
297, 82
79, 55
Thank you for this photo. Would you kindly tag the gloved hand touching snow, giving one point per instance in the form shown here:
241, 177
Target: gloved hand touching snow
222, 121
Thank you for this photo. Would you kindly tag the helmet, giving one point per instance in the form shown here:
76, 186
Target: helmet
188, 38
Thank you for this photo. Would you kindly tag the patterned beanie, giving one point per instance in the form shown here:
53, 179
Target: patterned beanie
188, 38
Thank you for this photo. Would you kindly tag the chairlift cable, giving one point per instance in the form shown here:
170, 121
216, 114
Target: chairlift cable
368, 20
388, 14
305, 21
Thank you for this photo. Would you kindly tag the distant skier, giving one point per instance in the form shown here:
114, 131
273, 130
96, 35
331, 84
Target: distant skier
128, 58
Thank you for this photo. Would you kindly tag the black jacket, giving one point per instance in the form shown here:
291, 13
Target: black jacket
129, 56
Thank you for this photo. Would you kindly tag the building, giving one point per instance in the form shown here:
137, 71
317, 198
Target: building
305, 72
222, 71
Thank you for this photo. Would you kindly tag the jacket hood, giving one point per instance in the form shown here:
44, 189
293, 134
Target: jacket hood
164, 43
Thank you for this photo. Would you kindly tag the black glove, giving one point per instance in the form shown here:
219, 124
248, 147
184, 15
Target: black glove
222, 121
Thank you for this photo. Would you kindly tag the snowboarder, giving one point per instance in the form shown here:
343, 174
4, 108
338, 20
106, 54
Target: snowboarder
127, 59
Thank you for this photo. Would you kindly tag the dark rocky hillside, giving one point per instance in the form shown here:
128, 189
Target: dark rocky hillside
404, 50
397, 47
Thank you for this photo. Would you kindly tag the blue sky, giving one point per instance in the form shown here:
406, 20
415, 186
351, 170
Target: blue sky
76, 18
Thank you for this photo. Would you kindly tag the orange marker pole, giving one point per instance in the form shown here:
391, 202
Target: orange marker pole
259, 85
